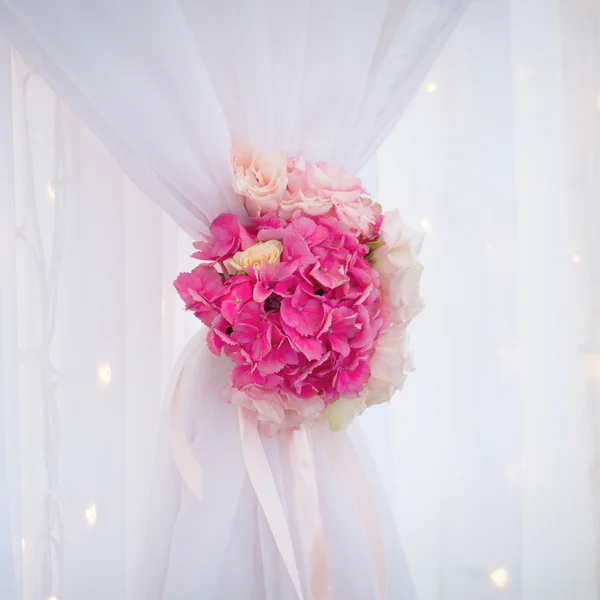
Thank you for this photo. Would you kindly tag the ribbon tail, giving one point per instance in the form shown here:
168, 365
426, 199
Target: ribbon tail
185, 461
348, 466
307, 502
261, 476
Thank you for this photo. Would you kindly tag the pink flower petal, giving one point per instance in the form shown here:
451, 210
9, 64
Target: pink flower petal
261, 292
352, 379
262, 342
311, 348
339, 344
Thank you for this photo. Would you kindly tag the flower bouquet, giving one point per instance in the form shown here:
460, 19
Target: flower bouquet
310, 296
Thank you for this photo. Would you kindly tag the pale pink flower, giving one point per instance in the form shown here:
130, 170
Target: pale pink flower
396, 261
275, 410
305, 202
334, 182
296, 172
321, 189
260, 177
389, 366
362, 215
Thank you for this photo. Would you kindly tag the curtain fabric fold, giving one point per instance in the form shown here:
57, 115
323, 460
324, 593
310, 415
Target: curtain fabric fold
168, 86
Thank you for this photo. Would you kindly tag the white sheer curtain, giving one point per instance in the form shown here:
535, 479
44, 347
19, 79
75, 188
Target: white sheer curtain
168, 85
89, 328
497, 435
496, 438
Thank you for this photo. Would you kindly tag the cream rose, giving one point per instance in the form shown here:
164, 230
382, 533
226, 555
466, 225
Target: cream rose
261, 177
269, 251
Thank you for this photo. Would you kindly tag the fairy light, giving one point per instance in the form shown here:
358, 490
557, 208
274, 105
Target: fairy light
499, 577
591, 365
510, 355
576, 258
53, 598
23, 545
431, 87
51, 191
425, 224
105, 373
91, 513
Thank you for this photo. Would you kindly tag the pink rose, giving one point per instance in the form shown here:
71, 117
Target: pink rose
323, 179
323, 189
334, 182
362, 215
309, 205
296, 172
260, 177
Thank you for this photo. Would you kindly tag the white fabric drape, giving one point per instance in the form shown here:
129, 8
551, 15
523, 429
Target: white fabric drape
496, 436
168, 85
175, 85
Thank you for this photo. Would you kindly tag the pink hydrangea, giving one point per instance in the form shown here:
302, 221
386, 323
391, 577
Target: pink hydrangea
302, 331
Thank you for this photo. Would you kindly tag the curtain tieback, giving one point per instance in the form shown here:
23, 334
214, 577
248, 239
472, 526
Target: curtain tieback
344, 461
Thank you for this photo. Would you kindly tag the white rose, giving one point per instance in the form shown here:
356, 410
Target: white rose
396, 261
